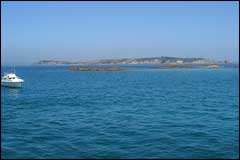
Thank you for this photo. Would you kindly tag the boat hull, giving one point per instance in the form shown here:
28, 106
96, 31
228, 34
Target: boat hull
12, 84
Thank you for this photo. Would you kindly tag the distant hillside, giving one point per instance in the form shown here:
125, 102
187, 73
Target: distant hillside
149, 60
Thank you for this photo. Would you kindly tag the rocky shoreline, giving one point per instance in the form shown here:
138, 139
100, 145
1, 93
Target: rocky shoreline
114, 68
94, 68
187, 67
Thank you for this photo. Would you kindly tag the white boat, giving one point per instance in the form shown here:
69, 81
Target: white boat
11, 80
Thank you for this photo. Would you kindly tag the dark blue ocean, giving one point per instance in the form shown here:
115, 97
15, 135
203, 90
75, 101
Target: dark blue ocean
141, 113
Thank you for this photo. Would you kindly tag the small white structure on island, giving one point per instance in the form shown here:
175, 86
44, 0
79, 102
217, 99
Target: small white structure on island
179, 61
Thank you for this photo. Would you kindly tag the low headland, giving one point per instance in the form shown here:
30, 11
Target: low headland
147, 60
157, 62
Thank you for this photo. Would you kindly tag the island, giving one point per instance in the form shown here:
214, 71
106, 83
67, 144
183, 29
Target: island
94, 68
149, 63
114, 68
147, 60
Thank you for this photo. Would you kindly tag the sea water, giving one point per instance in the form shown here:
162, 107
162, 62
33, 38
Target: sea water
140, 113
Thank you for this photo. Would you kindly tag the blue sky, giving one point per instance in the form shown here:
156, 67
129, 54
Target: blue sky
32, 31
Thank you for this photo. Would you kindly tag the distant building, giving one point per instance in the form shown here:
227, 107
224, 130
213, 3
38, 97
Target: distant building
179, 61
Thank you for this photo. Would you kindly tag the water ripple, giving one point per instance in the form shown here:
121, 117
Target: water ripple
128, 114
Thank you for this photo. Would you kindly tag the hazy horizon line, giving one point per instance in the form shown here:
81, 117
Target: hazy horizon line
89, 60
